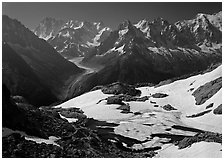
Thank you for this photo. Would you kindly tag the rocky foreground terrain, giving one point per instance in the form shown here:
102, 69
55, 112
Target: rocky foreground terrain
174, 119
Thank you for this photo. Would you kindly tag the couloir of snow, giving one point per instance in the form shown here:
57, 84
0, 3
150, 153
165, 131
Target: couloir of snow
50, 140
156, 120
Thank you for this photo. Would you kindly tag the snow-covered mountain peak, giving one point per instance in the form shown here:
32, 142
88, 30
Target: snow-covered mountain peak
72, 37
141, 24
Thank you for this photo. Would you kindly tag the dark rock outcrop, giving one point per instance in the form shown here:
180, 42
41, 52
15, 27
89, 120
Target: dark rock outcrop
73, 113
203, 93
168, 107
205, 136
159, 95
125, 108
218, 110
120, 88
114, 100
210, 105
199, 114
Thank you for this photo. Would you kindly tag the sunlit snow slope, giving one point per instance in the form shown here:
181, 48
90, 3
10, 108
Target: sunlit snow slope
154, 120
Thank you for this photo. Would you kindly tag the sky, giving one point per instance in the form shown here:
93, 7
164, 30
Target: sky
110, 13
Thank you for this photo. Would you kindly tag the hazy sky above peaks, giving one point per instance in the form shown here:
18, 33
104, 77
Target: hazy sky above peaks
111, 13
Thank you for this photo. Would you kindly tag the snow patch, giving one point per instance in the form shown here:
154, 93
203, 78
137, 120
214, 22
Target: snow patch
70, 120
50, 140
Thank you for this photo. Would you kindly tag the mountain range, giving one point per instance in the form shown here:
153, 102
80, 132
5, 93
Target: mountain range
72, 38
150, 52
143, 52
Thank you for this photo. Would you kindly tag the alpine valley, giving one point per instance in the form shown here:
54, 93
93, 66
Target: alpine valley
76, 89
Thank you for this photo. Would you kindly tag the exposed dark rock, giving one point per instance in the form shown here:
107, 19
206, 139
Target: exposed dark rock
184, 128
199, 114
73, 113
129, 98
121, 88
168, 107
191, 89
96, 88
152, 102
210, 105
142, 99
137, 113
125, 108
126, 98
218, 110
205, 136
203, 93
159, 95
114, 100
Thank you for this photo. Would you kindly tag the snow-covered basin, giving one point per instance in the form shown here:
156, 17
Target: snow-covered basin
197, 150
182, 99
179, 96
50, 140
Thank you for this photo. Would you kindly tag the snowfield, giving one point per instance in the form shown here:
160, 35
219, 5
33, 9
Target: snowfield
197, 150
155, 120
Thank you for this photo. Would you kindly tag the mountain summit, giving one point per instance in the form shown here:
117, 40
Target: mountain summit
72, 38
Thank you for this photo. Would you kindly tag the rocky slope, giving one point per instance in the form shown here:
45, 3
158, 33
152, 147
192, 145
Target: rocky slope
45, 133
72, 38
21, 78
49, 67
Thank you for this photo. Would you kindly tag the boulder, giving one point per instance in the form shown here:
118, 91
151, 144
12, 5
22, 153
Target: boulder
168, 107
159, 95
218, 110
121, 88
114, 100
210, 105
125, 108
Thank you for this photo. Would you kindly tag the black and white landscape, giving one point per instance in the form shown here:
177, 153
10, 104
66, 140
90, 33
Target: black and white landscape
80, 88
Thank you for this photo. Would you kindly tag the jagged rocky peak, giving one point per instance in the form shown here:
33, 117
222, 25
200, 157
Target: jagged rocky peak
125, 25
160, 21
73, 38
127, 29
48, 28
203, 27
